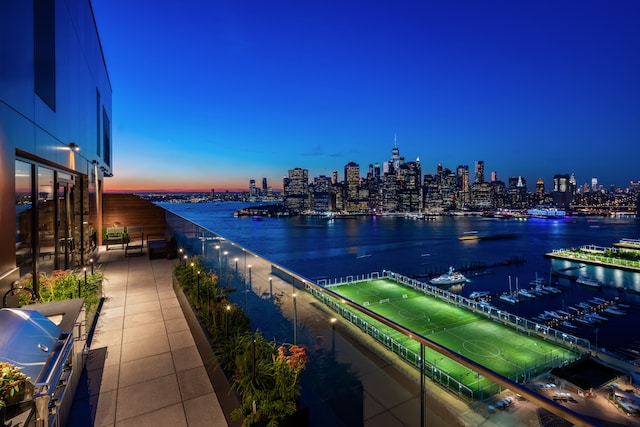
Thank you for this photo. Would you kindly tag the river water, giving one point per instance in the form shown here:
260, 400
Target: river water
318, 248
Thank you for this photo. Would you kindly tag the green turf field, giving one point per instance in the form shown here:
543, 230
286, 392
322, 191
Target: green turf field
512, 353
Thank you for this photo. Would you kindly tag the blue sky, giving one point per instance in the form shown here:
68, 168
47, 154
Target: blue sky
210, 94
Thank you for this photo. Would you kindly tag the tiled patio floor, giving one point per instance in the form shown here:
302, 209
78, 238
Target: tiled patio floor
143, 367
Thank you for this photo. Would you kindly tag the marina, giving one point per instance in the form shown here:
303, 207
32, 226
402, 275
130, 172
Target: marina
399, 244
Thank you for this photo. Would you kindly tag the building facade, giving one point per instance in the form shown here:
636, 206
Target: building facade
55, 136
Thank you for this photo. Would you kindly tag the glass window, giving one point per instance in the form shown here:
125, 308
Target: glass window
24, 217
46, 209
44, 51
106, 129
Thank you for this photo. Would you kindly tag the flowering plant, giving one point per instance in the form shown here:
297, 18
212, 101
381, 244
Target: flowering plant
11, 380
267, 379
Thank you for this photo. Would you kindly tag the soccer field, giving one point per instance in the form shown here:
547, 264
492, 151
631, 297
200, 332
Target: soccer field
515, 354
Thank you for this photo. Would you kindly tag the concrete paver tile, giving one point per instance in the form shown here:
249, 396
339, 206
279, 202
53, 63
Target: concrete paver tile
181, 339
144, 348
193, 383
148, 368
146, 397
205, 411
136, 333
173, 416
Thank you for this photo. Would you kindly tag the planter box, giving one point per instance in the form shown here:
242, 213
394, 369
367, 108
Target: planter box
221, 386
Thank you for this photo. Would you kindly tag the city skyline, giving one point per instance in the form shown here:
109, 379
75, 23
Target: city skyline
213, 95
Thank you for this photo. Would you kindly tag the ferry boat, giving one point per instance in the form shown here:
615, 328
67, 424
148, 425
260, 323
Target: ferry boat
450, 278
478, 294
588, 281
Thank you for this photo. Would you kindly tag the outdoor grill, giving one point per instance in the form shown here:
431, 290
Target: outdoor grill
29, 339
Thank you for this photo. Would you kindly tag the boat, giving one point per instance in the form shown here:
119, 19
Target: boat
478, 294
469, 237
584, 306
588, 281
585, 320
539, 289
485, 304
599, 317
568, 324
553, 314
551, 289
450, 278
525, 293
614, 311
563, 313
511, 299
538, 281
572, 308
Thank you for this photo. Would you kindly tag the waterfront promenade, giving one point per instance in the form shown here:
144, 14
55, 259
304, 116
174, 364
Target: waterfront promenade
143, 368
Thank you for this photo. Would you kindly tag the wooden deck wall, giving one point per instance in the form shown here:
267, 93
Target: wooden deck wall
125, 210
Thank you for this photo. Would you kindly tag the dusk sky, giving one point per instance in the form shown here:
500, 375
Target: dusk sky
211, 94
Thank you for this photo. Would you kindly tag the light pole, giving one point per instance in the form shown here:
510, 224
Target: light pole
295, 320
226, 321
236, 260
270, 287
250, 284
245, 263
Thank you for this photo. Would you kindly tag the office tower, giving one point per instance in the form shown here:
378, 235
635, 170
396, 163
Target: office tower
594, 183
296, 190
540, 187
351, 186
562, 193
321, 194
253, 191
395, 154
479, 177
334, 178
462, 178
517, 190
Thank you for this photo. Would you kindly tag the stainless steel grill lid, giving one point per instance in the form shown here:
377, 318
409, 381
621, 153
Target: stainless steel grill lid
27, 338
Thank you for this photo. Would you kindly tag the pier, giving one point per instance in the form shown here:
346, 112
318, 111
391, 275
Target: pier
597, 255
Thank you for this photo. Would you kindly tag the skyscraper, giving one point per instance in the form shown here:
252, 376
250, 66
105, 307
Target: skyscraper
351, 186
296, 190
562, 192
479, 178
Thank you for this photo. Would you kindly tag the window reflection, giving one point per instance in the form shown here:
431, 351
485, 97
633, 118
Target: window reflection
24, 212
